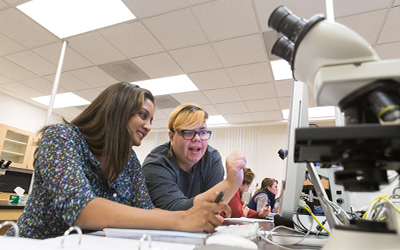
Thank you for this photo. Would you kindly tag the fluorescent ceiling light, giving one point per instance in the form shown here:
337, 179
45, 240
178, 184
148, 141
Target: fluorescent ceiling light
168, 85
66, 18
216, 119
281, 70
316, 112
62, 100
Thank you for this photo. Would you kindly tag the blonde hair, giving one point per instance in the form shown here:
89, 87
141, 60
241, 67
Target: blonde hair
186, 116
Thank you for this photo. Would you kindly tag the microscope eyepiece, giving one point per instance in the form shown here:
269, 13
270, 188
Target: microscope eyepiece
284, 21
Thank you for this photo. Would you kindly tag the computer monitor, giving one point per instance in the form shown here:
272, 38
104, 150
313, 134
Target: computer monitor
295, 172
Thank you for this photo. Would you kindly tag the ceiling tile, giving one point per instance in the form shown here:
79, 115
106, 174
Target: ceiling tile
33, 62
257, 91
8, 46
284, 102
160, 124
388, 50
158, 115
239, 118
3, 4
390, 30
12, 94
284, 87
267, 116
367, 25
191, 97
396, 3
95, 48
4, 79
177, 29
167, 111
251, 73
231, 108
23, 30
42, 85
71, 111
242, 50
69, 82
205, 58
262, 105
158, 65
72, 60
210, 109
132, 39
226, 19
148, 8
94, 77
346, 8
21, 90
88, 94
211, 79
14, 71
222, 95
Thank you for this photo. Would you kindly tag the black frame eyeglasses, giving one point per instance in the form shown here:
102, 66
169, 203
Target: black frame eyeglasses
191, 134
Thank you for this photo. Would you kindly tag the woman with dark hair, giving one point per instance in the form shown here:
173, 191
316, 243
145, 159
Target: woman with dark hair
87, 174
186, 170
239, 209
264, 195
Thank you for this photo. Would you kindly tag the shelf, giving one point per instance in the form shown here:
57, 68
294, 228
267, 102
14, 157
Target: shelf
12, 153
15, 142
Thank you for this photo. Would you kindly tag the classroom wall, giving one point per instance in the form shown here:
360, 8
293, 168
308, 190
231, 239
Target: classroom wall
22, 115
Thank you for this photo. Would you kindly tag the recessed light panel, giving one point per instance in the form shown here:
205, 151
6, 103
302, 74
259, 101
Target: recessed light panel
62, 100
281, 70
168, 85
65, 18
216, 119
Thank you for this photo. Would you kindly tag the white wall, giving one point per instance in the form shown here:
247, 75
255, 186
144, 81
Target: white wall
22, 115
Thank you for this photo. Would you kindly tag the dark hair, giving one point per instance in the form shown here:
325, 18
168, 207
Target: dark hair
104, 124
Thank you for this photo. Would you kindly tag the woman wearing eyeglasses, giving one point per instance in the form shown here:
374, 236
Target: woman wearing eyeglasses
186, 170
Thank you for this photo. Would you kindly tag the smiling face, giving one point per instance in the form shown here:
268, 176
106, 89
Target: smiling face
188, 152
140, 123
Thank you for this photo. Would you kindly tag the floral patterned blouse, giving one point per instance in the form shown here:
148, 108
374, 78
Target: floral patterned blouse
66, 180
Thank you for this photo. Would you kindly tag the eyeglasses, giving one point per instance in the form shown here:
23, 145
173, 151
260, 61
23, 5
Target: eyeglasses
190, 134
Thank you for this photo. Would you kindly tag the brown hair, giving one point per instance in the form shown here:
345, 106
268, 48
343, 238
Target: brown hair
248, 176
267, 182
186, 116
104, 124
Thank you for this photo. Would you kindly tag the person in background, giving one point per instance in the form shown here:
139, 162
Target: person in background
88, 175
239, 209
186, 170
264, 195
278, 200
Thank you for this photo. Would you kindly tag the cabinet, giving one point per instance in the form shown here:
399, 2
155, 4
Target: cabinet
17, 145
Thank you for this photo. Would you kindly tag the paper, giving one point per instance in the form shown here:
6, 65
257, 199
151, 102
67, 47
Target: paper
88, 242
158, 235
244, 219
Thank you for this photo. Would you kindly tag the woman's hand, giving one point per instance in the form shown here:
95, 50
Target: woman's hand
235, 163
203, 216
265, 210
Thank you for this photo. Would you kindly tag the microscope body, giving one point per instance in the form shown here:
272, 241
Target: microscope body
344, 71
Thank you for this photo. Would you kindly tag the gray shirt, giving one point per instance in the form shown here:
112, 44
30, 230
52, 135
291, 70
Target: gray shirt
172, 188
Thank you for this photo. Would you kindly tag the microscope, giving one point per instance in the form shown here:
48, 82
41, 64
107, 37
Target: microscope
344, 71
